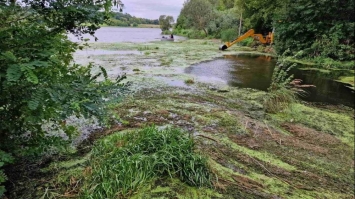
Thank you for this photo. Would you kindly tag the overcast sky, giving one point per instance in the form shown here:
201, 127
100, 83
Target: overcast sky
152, 9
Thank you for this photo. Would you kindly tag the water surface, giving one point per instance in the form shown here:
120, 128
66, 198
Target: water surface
122, 34
255, 71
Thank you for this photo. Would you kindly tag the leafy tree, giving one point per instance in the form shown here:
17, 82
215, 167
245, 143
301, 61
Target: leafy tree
224, 20
317, 28
38, 82
259, 14
198, 13
165, 22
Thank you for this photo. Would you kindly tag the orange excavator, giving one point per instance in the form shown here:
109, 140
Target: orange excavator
267, 40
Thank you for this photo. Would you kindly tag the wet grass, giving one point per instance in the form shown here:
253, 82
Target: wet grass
123, 162
303, 151
252, 155
339, 125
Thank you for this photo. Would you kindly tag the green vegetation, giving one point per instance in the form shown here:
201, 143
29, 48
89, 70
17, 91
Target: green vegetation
189, 81
126, 20
348, 80
148, 26
325, 38
165, 22
280, 95
123, 162
252, 154
5, 158
329, 32
40, 87
325, 121
198, 14
235, 142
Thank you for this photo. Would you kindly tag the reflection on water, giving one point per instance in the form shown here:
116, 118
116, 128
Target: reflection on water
326, 90
117, 34
255, 71
239, 70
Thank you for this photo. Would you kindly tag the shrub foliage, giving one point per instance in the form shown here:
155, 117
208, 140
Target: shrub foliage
38, 82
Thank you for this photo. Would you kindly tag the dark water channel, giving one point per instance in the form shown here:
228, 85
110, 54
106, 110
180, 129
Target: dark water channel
255, 71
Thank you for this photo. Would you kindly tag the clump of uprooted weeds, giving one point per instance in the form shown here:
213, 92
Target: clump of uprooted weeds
123, 162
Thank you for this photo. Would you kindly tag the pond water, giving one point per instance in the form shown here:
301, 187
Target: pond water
120, 34
255, 71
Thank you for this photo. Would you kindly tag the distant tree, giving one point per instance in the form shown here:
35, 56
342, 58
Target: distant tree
198, 13
165, 22
224, 20
131, 19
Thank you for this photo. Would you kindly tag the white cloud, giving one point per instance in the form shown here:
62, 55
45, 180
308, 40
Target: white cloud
152, 9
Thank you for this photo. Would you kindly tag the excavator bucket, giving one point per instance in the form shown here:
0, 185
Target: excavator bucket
223, 47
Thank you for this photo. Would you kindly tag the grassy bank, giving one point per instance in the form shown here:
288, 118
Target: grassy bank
148, 26
138, 26
223, 143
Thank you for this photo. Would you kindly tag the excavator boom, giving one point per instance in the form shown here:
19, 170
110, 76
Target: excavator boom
269, 39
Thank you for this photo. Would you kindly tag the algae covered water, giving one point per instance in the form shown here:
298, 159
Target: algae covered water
255, 71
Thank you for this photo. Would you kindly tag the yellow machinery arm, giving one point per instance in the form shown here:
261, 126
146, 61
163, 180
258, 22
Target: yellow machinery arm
267, 40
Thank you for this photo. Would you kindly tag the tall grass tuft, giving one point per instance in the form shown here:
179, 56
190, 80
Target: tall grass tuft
123, 162
280, 95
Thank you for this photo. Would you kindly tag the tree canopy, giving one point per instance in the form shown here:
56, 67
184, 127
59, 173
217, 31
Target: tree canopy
198, 13
165, 22
317, 28
307, 28
38, 81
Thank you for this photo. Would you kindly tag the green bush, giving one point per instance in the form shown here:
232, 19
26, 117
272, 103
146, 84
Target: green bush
123, 162
39, 83
229, 35
247, 42
196, 34
5, 158
167, 32
319, 28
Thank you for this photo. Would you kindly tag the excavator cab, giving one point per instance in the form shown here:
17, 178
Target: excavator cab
267, 40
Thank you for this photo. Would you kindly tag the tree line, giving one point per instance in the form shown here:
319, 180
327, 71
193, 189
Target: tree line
307, 28
125, 19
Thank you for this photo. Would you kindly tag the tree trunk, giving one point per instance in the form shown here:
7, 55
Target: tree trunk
240, 23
